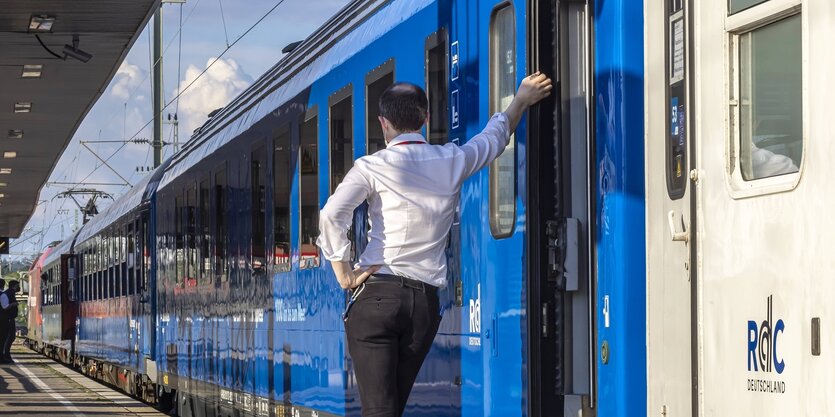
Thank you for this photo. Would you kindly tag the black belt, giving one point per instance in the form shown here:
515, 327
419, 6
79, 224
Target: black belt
402, 281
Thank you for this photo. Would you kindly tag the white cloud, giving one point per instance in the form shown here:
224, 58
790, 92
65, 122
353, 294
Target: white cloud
127, 78
214, 89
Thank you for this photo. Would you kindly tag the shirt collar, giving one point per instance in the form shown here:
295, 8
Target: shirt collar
406, 137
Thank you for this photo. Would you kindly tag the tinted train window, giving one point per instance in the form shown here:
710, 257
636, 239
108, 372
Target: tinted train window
205, 232
437, 87
258, 209
123, 271
770, 123
309, 191
111, 266
376, 82
145, 253
220, 225
191, 238
735, 6
502, 89
179, 240
282, 177
341, 136
131, 251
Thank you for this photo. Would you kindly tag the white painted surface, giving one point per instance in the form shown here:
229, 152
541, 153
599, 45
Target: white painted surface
769, 241
668, 251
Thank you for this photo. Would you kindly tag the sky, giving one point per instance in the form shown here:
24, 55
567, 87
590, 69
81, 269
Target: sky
124, 111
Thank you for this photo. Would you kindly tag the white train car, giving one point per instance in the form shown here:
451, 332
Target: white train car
739, 260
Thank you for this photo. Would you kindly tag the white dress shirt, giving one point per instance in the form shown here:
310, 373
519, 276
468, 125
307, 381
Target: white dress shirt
412, 191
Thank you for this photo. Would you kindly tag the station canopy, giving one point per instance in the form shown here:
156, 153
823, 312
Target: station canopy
56, 58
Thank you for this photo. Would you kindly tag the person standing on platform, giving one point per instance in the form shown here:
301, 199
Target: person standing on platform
8, 314
412, 189
3, 322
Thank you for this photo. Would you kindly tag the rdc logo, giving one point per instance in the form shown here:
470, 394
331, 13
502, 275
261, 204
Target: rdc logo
763, 353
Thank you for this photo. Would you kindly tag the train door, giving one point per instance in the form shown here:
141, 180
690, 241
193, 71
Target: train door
671, 278
560, 276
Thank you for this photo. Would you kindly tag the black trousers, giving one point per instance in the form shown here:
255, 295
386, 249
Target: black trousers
390, 329
7, 337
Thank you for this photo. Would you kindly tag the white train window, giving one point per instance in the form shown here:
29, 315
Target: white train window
769, 122
502, 89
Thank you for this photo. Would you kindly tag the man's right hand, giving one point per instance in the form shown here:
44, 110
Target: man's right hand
533, 88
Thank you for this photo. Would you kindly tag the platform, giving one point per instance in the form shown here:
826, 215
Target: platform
37, 386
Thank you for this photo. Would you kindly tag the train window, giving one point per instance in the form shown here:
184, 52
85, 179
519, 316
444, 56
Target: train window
258, 209
341, 135
205, 234
220, 225
131, 262
179, 241
100, 267
72, 279
735, 6
375, 83
309, 190
123, 264
191, 238
502, 89
437, 87
145, 253
111, 265
282, 177
769, 109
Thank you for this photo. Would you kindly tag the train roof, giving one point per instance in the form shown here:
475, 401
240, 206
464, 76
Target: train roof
127, 202
340, 38
54, 254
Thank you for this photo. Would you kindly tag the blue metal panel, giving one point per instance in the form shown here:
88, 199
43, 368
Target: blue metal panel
620, 240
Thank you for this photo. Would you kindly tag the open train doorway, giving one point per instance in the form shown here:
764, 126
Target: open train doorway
560, 274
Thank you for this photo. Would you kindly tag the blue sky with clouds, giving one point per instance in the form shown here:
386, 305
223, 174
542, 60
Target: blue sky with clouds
125, 107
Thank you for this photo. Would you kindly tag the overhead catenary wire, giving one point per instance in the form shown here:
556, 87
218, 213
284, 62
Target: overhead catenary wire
179, 93
223, 18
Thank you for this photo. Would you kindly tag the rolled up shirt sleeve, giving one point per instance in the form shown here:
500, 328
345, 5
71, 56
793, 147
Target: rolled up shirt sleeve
336, 217
486, 146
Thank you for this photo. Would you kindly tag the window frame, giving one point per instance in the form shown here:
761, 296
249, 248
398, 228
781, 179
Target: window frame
310, 116
258, 150
736, 25
344, 93
290, 129
492, 84
434, 40
376, 74
220, 228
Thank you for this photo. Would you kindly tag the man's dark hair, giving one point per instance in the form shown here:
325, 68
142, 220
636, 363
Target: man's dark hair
404, 105
15, 283
2, 284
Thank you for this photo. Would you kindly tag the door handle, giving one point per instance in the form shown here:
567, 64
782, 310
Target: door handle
675, 235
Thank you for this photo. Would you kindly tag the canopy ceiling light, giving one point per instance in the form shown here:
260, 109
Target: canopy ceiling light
22, 107
32, 71
41, 23
5, 170
72, 51
9, 154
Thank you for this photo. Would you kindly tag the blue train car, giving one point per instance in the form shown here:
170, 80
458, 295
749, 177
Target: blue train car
205, 284
116, 318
